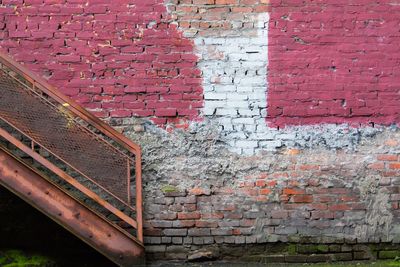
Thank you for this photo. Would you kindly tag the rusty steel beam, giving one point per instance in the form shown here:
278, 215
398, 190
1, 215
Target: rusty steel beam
48, 198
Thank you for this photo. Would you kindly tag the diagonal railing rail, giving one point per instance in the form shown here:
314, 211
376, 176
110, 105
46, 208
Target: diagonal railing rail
71, 143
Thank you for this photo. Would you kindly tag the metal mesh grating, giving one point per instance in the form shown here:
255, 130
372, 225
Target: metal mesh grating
53, 127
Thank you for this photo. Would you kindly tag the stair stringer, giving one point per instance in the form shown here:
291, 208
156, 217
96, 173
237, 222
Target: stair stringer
68, 212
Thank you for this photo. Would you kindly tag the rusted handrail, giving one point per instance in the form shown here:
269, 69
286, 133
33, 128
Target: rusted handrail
39, 84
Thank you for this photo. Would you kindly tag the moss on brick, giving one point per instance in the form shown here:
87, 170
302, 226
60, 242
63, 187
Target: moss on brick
389, 254
292, 249
310, 249
169, 189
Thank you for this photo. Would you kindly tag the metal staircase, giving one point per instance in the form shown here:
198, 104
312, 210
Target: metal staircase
70, 165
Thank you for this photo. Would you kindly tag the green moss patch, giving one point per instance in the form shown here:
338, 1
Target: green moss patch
310, 249
16, 258
169, 189
292, 249
389, 254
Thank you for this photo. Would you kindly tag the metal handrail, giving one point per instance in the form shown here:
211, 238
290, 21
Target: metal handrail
51, 92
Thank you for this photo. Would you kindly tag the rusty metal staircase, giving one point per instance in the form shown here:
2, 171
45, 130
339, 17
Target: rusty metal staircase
70, 165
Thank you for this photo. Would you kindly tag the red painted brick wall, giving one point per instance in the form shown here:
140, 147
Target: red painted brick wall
117, 58
329, 62
334, 61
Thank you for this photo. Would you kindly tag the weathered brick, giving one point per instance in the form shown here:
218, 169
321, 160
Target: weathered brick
203, 240
177, 240
183, 223
377, 166
221, 231
279, 214
387, 157
153, 249
166, 239
188, 215
302, 198
286, 230
207, 224
175, 232
152, 240
291, 191
394, 165
161, 224
199, 232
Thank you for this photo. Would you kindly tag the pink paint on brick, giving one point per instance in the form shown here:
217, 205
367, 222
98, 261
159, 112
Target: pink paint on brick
117, 58
333, 62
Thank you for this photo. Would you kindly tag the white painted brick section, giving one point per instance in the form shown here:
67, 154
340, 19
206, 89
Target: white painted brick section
235, 86
234, 65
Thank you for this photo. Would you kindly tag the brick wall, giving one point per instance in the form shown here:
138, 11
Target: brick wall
334, 62
204, 201
289, 110
119, 60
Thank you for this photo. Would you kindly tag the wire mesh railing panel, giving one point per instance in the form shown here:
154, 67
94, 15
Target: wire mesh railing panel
55, 128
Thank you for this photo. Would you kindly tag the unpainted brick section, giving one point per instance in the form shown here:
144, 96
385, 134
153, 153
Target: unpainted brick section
314, 196
217, 17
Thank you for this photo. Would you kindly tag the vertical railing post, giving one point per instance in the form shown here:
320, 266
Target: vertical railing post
139, 202
128, 181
